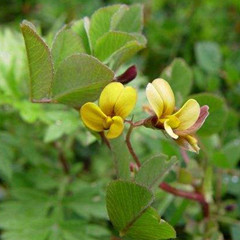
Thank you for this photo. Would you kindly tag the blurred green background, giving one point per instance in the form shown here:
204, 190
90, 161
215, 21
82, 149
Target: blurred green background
39, 200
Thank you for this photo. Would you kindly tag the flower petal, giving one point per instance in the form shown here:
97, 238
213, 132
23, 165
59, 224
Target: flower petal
201, 119
188, 114
125, 102
109, 97
169, 130
116, 128
154, 99
166, 93
189, 143
93, 117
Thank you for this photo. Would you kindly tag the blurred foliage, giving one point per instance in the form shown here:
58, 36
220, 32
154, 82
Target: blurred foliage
54, 172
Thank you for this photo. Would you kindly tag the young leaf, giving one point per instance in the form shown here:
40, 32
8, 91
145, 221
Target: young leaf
179, 75
150, 226
126, 202
154, 170
208, 56
40, 63
131, 19
80, 78
217, 112
101, 22
121, 157
111, 42
65, 44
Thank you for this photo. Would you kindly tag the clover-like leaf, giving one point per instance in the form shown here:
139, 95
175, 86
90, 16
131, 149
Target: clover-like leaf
151, 226
153, 171
65, 44
128, 206
40, 63
111, 42
81, 27
80, 78
126, 201
101, 22
128, 19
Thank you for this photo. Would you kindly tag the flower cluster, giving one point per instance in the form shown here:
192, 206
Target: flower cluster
116, 102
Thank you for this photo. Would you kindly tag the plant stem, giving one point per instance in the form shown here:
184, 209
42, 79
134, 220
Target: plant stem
105, 140
195, 196
189, 195
130, 148
185, 156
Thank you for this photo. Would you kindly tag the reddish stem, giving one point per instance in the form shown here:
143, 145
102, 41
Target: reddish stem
130, 148
189, 195
195, 196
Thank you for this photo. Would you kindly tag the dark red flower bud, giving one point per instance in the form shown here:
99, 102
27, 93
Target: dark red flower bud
128, 75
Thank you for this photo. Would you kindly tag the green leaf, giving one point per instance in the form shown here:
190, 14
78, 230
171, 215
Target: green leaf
81, 27
121, 157
153, 171
101, 22
80, 78
150, 226
65, 44
179, 75
126, 202
208, 56
111, 42
40, 63
128, 19
217, 113
124, 54
117, 16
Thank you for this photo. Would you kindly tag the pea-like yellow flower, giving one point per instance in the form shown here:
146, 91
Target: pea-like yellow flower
180, 125
115, 103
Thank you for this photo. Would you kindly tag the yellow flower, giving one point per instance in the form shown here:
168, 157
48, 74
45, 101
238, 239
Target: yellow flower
180, 125
115, 104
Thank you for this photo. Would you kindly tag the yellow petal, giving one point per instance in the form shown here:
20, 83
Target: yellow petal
116, 128
126, 102
166, 93
189, 143
109, 97
169, 130
193, 143
93, 117
154, 100
188, 114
